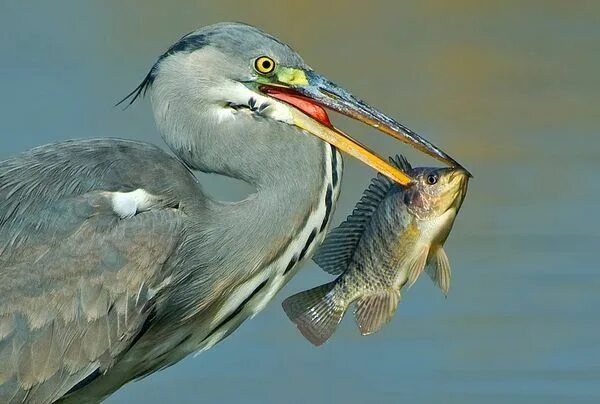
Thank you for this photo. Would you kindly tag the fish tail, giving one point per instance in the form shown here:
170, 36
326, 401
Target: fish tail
374, 311
315, 312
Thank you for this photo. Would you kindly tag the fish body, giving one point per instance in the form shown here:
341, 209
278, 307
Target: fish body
391, 237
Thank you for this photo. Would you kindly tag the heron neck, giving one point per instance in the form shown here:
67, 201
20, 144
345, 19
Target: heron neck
290, 169
288, 198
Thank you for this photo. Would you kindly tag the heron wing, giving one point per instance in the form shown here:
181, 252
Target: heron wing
76, 279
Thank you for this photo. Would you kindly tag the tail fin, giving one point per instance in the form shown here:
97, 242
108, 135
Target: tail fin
374, 311
315, 312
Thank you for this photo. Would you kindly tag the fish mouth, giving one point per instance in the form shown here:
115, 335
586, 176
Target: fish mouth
459, 180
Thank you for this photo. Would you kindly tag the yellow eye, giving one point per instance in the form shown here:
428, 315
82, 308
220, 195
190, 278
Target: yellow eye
264, 65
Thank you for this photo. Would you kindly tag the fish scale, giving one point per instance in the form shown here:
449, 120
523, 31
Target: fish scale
393, 233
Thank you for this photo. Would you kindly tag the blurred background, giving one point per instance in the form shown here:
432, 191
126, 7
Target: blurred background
509, 88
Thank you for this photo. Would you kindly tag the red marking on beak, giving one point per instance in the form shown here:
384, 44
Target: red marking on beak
304, 104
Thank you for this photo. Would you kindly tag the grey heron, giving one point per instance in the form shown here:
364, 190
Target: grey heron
113, 262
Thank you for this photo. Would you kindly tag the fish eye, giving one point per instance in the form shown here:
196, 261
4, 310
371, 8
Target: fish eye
432, 179
264, 65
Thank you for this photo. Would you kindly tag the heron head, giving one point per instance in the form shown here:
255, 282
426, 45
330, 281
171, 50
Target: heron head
227, 68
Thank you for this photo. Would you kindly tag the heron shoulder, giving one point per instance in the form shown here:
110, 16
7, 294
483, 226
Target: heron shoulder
38, 179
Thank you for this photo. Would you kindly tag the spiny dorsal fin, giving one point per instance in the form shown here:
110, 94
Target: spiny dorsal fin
401, 162
374, 311
439, 270
334, 255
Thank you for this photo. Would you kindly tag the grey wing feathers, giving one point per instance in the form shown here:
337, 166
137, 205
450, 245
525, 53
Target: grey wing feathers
73, 275
34, 180
334, 255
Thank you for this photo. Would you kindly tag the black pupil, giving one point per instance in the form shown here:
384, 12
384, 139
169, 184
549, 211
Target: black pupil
432, 179
266, 64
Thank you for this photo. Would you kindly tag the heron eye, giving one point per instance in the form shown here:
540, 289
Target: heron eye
264, 65
432, 179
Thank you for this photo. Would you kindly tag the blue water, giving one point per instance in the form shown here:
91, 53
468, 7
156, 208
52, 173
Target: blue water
510, 89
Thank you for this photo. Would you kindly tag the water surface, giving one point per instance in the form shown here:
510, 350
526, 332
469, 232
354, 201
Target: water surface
510, 88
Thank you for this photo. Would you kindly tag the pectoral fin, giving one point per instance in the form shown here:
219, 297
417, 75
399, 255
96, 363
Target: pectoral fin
439, 270
374, 311
416, 266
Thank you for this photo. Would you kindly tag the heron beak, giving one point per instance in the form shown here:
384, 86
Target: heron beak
311, 117
342, 141
307, 91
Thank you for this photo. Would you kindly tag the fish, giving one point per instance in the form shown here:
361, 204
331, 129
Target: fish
394, 233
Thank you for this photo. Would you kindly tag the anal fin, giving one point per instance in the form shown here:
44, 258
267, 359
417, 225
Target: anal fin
439, 270
374, 311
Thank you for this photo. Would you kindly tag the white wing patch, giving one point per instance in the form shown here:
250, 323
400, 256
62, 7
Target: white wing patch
127, 204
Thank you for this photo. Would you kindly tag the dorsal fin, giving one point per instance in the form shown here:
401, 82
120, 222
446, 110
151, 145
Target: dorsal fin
334, 255
401, 162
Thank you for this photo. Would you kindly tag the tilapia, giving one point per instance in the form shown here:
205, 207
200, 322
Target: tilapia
393, 234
